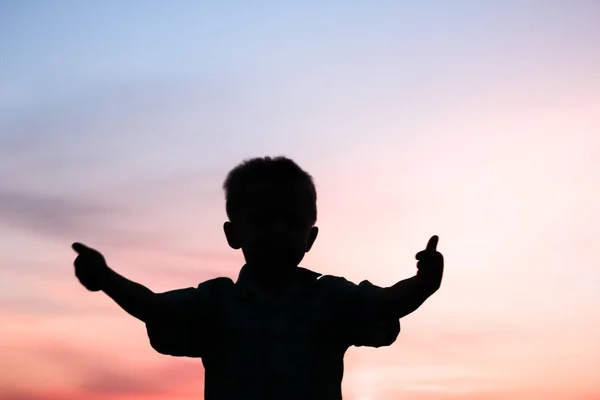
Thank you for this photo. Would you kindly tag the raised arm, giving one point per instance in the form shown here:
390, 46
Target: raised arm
407, 295
178, 322
134, 298
93, 273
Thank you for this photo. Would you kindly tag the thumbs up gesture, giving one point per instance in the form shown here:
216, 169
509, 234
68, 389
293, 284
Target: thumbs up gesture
431, 264
90, 267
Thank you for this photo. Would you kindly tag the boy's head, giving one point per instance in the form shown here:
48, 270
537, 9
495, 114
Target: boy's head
272, 208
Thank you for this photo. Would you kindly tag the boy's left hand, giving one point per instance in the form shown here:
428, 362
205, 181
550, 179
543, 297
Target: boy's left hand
431, 264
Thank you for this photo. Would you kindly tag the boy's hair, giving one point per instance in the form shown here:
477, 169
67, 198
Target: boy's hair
280, 171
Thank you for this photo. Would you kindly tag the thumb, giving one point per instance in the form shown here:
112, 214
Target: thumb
432, 244
80, 247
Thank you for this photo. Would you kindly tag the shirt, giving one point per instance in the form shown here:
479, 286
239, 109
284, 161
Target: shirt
254, 346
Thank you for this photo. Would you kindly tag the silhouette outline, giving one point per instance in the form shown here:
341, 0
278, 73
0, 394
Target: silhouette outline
280, 331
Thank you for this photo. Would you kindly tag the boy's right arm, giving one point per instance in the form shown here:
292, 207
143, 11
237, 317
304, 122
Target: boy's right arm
95, 275
178, 322
135, 299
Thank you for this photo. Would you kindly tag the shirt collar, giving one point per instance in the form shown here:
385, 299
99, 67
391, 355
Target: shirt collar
246, 285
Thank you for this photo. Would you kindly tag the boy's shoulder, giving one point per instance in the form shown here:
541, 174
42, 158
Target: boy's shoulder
334, 281
216, 286
324, 279
222, 287
221, 281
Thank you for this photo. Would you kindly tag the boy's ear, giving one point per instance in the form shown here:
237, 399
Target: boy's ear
312, 236
231, 234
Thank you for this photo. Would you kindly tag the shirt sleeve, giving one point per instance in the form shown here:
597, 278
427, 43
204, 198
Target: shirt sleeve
361, 323
181, 321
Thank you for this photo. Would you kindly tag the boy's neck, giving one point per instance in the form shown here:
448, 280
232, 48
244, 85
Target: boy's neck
271, 279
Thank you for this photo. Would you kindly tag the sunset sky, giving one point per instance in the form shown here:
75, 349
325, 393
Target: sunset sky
478, 121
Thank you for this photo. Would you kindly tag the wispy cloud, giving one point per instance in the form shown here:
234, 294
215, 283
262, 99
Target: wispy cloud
49, 215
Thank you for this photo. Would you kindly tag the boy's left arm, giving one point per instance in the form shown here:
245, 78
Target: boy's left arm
407, 295
369, 315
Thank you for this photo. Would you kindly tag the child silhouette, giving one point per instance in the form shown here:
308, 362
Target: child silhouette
280, 331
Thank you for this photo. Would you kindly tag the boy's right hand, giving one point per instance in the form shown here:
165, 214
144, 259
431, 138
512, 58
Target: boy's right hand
90, 267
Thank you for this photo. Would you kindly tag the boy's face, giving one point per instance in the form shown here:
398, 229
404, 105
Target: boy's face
274, 228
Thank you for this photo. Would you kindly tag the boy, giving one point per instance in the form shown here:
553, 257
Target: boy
280, 331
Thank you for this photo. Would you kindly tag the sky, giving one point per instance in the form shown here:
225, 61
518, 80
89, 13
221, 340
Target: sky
476, 121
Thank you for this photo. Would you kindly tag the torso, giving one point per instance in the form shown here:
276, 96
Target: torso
283, 347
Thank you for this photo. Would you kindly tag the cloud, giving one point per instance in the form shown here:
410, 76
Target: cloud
66, 217
48, 214
40, 284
